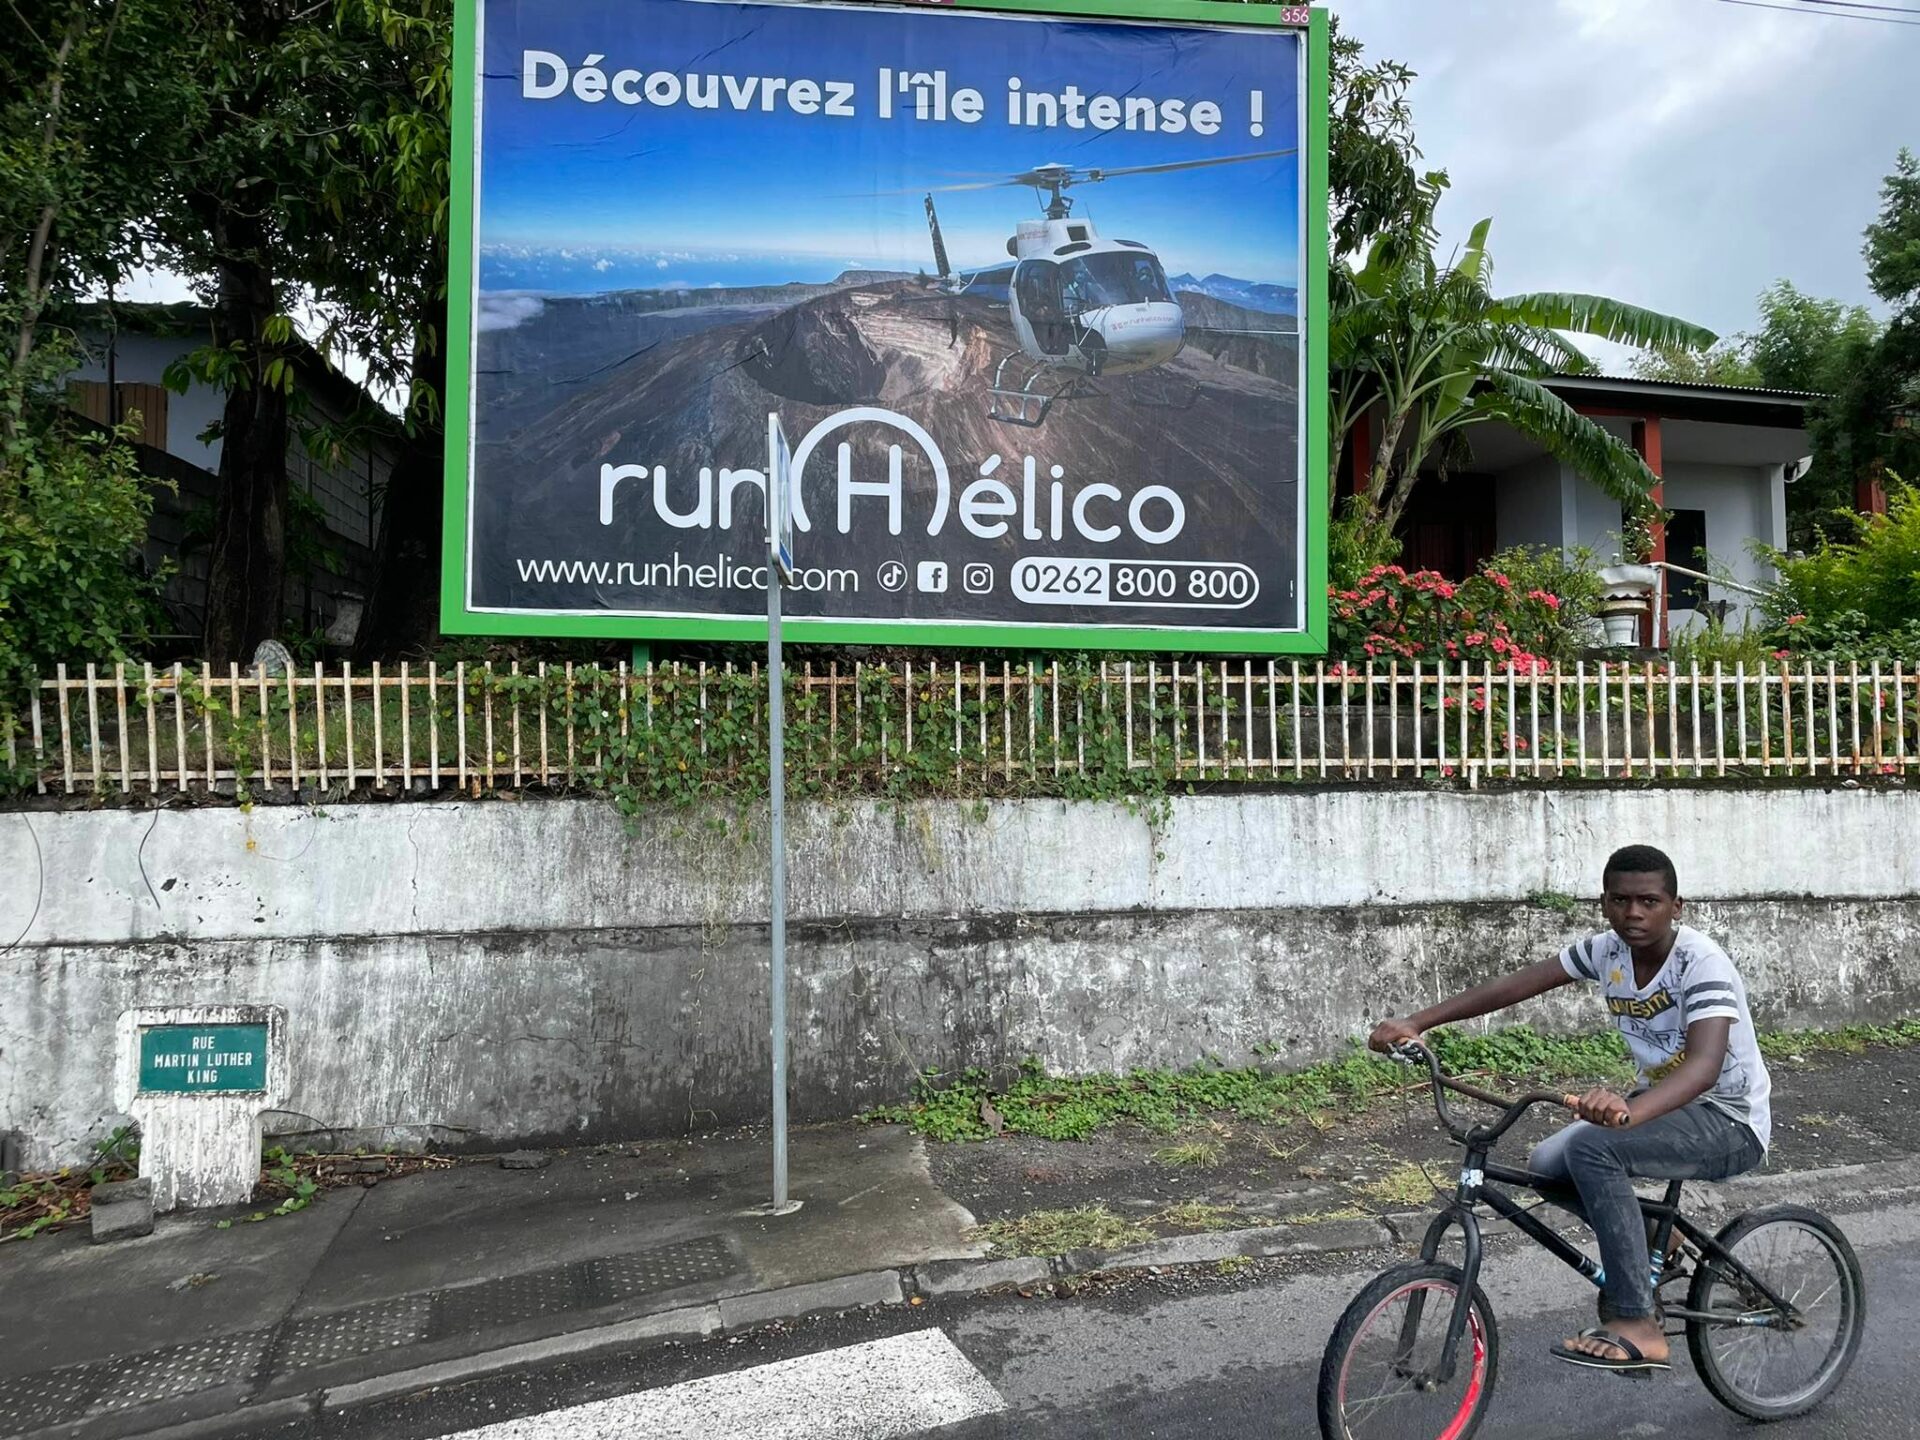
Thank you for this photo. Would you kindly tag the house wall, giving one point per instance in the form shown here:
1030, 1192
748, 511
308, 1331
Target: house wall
142, 360
1530, 503
1738, 501
1594, 520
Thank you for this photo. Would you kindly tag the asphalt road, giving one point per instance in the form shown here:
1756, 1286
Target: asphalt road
1182, 1356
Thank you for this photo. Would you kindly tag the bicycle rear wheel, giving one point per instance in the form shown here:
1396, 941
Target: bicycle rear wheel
1751, 1361
1371, 1385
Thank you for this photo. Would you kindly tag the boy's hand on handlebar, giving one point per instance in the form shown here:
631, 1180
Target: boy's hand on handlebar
1389, 1033
1603, 1108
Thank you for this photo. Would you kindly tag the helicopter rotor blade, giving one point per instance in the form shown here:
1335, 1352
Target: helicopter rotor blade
934, 189
1095, 173
1064, 176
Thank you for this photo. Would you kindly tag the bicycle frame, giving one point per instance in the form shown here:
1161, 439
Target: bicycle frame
1476, 1177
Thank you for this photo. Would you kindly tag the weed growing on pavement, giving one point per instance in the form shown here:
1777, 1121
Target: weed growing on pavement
1403, 1187
1190, 1155
1191, 1215
1344, 1212
1054, 1232
36, 1203
1095, 1227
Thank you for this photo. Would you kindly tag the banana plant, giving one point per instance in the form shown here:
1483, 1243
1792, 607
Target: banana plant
1432, 352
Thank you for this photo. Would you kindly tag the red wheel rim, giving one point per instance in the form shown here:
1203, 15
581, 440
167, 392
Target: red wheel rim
1477, 1368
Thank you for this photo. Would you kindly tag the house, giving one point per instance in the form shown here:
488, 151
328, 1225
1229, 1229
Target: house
1725, 456
335, 515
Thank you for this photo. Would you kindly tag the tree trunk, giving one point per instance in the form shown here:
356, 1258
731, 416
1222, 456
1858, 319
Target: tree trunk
33, 294
403, 612
246, 583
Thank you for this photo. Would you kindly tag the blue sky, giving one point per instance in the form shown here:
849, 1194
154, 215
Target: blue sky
584, 197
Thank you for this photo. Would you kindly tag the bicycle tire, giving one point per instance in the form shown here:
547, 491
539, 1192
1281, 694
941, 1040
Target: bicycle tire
1478, 1363
1721, 1383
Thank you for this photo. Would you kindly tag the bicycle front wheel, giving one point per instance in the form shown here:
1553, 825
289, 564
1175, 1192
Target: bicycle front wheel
1375, 1379
1751, 1359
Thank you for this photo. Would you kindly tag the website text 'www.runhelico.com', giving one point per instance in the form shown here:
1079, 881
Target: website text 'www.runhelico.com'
725, 573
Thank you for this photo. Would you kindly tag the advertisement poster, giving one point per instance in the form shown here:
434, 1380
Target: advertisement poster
1022, 294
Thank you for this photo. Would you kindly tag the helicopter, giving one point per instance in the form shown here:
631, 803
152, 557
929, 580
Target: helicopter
1083, 306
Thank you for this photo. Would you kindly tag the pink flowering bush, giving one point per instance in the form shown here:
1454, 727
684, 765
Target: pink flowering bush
1486, 621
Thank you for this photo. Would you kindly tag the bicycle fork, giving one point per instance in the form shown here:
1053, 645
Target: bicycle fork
1460, 1213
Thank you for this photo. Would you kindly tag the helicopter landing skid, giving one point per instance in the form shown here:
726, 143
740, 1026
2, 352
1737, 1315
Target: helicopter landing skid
1022, 403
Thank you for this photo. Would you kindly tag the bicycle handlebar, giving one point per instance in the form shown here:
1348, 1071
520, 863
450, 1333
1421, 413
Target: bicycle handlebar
1412, 1052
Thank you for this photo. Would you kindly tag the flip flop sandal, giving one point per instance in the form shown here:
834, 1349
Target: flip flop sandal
1633, 1364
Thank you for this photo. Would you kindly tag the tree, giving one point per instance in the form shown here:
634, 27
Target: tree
1435, 353
314, 181
400, 322
1871, 424
92, 107
1802, 343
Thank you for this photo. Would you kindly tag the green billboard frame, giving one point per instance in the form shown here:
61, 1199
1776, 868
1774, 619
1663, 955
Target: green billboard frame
456, 618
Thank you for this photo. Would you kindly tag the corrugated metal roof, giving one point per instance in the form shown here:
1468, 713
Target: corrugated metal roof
1757, 393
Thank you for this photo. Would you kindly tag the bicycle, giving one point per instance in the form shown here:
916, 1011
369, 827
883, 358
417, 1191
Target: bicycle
1747, 1309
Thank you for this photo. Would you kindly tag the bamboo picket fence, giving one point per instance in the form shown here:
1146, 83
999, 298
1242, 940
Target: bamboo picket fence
339, 730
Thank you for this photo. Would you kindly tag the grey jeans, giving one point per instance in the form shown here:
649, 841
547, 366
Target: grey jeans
1695, 1142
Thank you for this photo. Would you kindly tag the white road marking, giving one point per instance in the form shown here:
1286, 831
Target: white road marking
903, 1385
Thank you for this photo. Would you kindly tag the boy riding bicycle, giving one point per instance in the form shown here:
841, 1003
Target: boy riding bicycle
1699, 1109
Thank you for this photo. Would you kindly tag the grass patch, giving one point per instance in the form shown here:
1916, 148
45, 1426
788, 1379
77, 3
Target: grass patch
1191, 1215
1075, 1107
1848, 1040
1190, 1155
1054, 1232
1403, 1187
1522, 1052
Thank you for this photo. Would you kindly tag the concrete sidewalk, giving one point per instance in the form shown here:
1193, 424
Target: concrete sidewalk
196, 1321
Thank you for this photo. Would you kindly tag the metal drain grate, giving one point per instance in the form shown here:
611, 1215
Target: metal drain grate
645, 1272
348, 1334
180, 1370
508, 1301
48, 1398
56, 1397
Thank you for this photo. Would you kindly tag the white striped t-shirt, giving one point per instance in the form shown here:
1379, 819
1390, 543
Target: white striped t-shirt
1698, 982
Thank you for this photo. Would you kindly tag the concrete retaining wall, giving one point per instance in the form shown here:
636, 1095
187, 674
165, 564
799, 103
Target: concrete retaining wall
485, 973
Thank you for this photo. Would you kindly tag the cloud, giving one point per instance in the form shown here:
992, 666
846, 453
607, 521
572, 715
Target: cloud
603, 265
505, 309
1678, 154
660, 265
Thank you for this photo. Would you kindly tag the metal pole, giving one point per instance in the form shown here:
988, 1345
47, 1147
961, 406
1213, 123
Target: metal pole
777, 784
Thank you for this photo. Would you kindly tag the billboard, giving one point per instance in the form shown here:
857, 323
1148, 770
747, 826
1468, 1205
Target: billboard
1037, 299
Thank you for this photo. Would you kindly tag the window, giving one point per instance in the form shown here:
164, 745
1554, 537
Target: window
1687, 545
1112, 279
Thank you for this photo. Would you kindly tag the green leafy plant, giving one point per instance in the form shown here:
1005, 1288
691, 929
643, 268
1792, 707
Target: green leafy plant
1427, 347
1857, 597
73, 515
